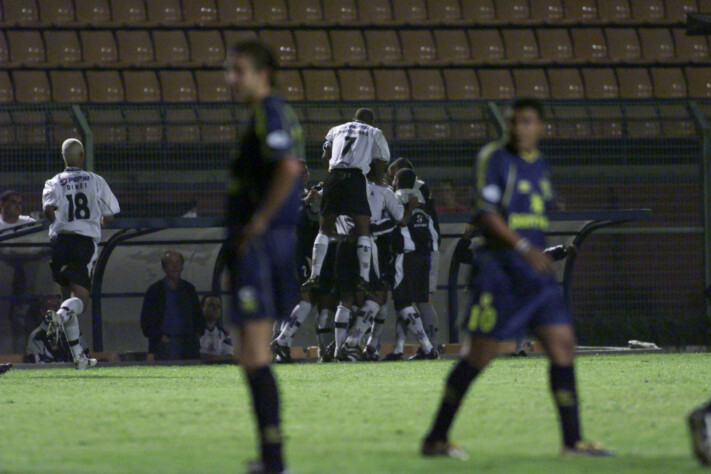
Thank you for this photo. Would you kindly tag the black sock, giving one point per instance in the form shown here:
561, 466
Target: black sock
456, 387
266, 406
565, 396
708, 406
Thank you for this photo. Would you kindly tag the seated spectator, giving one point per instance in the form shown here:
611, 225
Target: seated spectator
47, 343
171, 318
215, 341
11, 210
448, 199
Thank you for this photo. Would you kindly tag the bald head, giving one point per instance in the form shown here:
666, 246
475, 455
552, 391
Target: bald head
73, 152
365, 116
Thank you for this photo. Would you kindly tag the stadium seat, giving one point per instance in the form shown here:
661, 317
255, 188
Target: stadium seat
647, 10
270, 12
512, 11
305, 12
690, 48
7, 94
128, 12
699, 80
657, 44
313, 47
56, 12
496, 84
63, 48
321, 85
675, 121
32, 127
520, 45
642, 122
432, 123
580, 10
20, 12
4, 52
600, 83
411, 12
26, 47
217, 125
478, 11
181, 126
141, 86
676, 10
444, 11
565, 84
31, 87
614, 12
235, 12
418, 47
171, 47
68, 86
461, 84
634, 83
668, 83
135, 47
374, 12
606, 119
623, 44
555, 45
348, 47
426, 84
290, 85
452, 46
206, 47
282, 43
356, 84
104, 86
200, 12
486, 46
589, 44
340, 12
235, 36
178, 86
211, 86
547, 11
391, 85
531, 83
92, 12
98, 47
164, 12
383, 46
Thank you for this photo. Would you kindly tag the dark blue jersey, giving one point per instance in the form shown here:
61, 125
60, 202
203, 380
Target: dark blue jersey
271, 133
516, 186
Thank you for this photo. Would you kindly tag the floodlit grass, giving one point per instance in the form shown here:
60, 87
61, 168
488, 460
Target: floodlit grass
347, 417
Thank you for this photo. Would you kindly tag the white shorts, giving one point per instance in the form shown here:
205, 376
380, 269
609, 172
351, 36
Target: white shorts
434, 270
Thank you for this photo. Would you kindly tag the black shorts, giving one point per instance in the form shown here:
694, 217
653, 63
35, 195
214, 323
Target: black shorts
412, 270
345, 193
73, 258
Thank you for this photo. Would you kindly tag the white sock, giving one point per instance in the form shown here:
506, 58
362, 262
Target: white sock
400, 336
299, 313
429, 321
324, 329
70, 306
318, 254
363, 252
363, 321
414, 325
71, 330
378, 322
343, 315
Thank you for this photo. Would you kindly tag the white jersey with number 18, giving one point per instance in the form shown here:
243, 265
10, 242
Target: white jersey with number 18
80, 198
354, 145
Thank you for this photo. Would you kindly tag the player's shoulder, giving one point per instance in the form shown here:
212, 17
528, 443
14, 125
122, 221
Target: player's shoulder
496, 148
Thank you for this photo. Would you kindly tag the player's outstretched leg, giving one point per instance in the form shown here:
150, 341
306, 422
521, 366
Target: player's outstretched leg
413, 322
399, 346
428, 313
324, 335
364, 319
318, 255
370, 352
281, 346
66, 318
700, 429
343, 316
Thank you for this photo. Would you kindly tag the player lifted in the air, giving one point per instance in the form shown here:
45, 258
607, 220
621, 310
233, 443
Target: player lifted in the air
264, 198
77, 203
349, 149
515, 290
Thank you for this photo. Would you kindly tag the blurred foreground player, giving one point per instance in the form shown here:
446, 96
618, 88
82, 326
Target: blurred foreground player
77, 203
515, 289
700, 427
262, 213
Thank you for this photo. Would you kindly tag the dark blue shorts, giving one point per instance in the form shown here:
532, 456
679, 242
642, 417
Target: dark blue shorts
509, 299
265, 283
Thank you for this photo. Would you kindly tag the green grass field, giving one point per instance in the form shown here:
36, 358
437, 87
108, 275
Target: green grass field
347, 417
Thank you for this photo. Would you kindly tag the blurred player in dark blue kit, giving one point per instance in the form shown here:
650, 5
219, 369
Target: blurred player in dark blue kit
264, 198
514, 290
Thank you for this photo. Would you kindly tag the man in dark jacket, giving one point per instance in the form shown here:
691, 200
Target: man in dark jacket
171, 318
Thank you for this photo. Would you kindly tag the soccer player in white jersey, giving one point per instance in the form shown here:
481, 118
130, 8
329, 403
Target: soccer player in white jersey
77, 204
349, 150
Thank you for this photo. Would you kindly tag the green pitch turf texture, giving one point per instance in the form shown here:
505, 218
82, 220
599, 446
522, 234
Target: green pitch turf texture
346, 418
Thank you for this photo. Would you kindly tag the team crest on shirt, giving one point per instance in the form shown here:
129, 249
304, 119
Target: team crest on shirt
524, 186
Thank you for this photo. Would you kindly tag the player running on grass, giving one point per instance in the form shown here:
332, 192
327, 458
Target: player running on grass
262, 214
77, 204
515, 289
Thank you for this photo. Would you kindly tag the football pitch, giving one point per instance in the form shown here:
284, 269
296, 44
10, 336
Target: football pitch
364, 418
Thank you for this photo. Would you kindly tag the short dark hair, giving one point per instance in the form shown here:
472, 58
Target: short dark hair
167, 253
6, 195
365, 116
260, 54
529, 103
204, 299
401, 163
406, 178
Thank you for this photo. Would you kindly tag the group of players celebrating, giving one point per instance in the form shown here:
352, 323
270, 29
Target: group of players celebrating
365, 239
